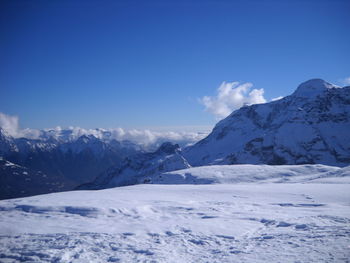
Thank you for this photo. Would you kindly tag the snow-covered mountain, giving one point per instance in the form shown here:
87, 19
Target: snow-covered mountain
310, 126
139, 168
147, 140
66, 163
7, 144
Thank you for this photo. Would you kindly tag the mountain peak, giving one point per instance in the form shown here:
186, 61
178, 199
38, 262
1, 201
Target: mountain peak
86, 138
312, 88
295, 130
168, 148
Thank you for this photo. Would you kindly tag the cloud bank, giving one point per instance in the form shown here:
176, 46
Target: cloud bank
231, 96
346, 81
151, 139
148, 139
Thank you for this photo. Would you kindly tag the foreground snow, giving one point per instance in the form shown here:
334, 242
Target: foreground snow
299, 222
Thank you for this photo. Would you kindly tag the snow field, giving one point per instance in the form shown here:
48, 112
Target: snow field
181, 223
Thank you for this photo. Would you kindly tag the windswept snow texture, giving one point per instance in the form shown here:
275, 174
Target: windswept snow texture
246, 173
247, 222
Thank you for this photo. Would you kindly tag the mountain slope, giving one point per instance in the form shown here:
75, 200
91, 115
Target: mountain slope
309, 126
18, 181
139, 168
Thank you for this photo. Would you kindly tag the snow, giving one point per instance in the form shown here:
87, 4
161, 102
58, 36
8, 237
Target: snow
244, 173
218, 213
253, 220
7, 163
313, 87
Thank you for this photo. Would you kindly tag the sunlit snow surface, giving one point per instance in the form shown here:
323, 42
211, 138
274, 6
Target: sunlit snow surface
256, 221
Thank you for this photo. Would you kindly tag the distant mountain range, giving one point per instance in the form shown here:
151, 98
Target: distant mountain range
311, 126
67, 163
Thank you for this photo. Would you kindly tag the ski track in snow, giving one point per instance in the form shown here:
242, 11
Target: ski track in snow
180, 223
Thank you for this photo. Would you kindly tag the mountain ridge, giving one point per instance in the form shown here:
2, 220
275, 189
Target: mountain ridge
65, 163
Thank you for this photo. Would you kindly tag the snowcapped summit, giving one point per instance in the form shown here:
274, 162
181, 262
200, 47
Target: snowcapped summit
312, 88
310, 126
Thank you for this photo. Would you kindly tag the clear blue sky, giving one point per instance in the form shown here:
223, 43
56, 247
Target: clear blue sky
146, 63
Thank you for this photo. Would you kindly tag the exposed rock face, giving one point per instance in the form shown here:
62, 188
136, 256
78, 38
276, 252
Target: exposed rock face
310, 126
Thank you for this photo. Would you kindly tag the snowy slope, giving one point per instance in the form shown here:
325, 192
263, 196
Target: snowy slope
180, 223
233, 174
310, 126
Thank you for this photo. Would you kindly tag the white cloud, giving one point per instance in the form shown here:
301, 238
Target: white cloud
9, 124
147, 138
346, 81
144, 137
150, 139
28, 133
231, 96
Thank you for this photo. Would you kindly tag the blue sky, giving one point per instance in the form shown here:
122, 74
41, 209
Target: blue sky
137, 64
